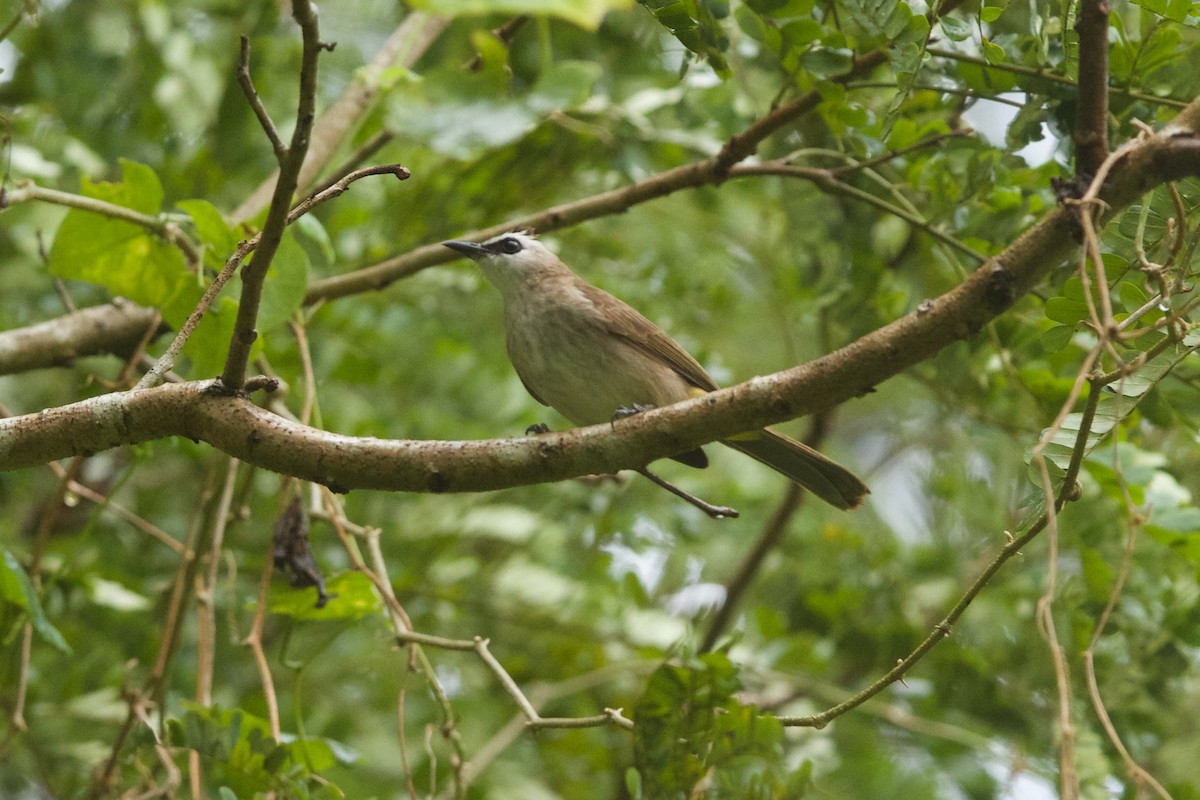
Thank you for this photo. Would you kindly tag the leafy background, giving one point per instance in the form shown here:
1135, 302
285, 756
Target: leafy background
585, 588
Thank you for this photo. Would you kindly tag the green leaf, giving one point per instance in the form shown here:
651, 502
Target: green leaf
1028, 125
139, 189
1066, 311
240, 746
211, 229
1132, 296
688, 725
801, 33
352, 596
121, 256
209, 342
993, 52
696, 24
16, 588
1119, 401
883, 20
286, 284
827, 62
956, 30
584, 13
315, 239
1174, 10
463, 118
566, 84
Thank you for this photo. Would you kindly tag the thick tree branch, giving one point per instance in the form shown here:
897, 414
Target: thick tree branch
117, 327
241, 429
1091, 116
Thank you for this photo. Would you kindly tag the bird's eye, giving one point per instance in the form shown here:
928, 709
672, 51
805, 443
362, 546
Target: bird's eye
510, 246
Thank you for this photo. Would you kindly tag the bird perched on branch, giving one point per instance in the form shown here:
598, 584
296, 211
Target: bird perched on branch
589, 355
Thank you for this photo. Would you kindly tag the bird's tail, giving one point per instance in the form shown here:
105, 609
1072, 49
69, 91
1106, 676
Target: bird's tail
822, 476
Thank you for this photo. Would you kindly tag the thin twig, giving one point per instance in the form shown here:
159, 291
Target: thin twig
254, 274
826, 180
181, 589
264, 118
166, 361
1136, 771
206, 617
253, 641
407, 43
365, 151
28, 191
1048, 75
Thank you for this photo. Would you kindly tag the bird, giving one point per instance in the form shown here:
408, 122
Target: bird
594, 358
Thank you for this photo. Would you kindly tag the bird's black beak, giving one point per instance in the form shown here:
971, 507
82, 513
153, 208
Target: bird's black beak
468, 249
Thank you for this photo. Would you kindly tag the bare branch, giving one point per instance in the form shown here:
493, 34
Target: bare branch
114, 328
264, 119
403, 47
1091, 116
167, 360
255, 274
28, 191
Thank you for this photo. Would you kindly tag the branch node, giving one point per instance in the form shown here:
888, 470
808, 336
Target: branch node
262, 382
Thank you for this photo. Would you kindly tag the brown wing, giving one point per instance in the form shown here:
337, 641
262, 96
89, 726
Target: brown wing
529, 389
627, 323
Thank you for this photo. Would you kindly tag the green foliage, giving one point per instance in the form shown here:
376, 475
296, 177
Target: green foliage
122, 256
140, 265
17, 592
353, 597
585, 13
697, 26
248, 762
592, 594
691, 728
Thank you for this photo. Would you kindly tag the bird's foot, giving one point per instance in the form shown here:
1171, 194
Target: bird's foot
537, 428
625, 412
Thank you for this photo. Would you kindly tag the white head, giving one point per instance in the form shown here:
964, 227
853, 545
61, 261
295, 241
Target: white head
511, 261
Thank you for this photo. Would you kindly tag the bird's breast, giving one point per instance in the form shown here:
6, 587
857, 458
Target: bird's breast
571, 361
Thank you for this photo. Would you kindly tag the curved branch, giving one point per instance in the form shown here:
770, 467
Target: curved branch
28, 191
252, 434
826, 180
708, 171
